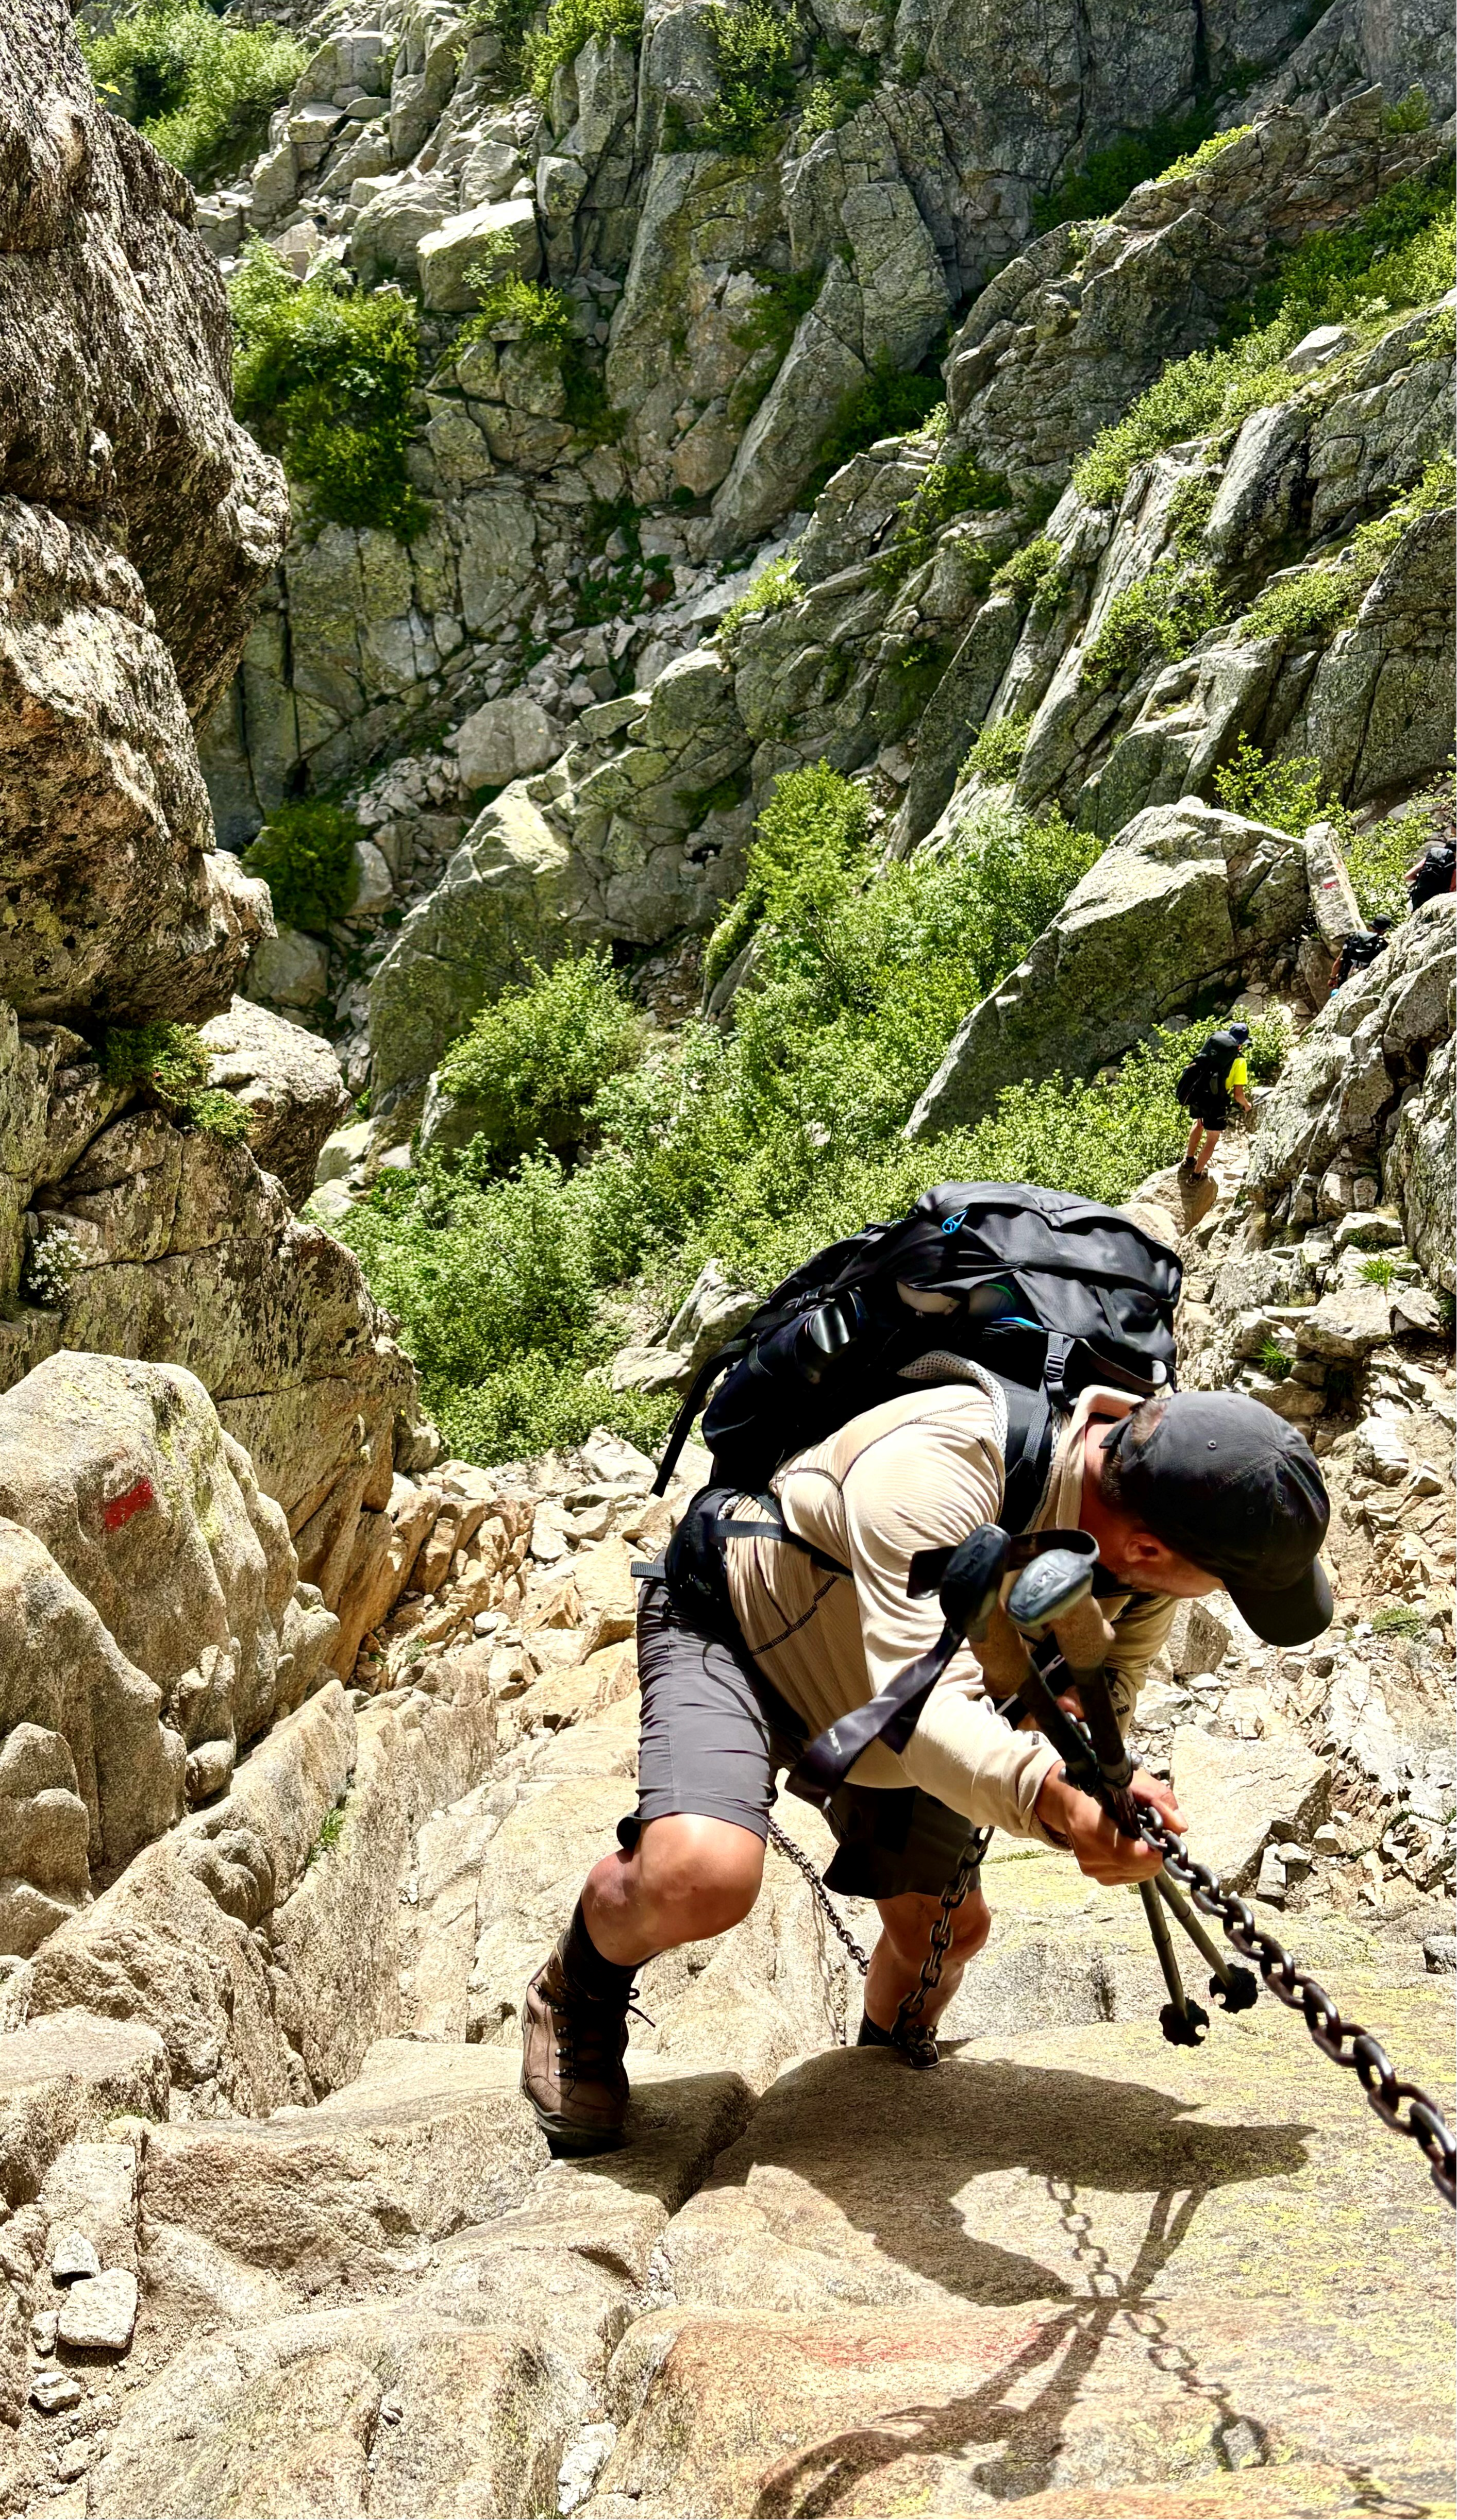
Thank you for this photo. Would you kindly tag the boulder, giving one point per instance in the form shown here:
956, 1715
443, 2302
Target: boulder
1240, 1796
62, 2080
1370, 1083
504, 899
712, 1313
150, 1592
137, 530
500, 237
289, 969
291, 1082
385, 241
504, 740
1177, 900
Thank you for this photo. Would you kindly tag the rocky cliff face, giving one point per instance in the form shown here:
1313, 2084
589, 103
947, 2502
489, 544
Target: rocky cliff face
731, 303
175, 1528
307, 1735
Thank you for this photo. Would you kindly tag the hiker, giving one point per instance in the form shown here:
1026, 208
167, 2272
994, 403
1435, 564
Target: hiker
1181, 1491
1218, 1073
1359, 951
1434, 872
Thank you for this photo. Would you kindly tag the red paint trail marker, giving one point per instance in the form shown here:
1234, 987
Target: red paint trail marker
120, 1509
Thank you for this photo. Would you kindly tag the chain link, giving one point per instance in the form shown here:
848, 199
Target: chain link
1422, 2120
910, 2032
802, 1862
1405, 2107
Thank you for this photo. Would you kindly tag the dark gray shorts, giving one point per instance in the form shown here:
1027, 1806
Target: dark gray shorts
713, 1742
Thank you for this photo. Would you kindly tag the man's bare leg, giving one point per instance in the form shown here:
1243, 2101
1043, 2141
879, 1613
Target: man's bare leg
686, 1879
1203, 1161
905, 1939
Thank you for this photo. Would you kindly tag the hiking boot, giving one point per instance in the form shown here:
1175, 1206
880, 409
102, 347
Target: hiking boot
571, 2062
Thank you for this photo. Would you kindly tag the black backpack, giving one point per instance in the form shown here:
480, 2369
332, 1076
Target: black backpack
1045, 1292
1435, 873
1207, 1070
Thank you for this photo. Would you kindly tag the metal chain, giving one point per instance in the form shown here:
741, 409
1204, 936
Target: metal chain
802, 1862
915, 2036
1422, 2120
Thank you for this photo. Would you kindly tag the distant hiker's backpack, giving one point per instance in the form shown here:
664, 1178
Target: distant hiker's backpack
1435, 873
1043, 1291
1206, 1072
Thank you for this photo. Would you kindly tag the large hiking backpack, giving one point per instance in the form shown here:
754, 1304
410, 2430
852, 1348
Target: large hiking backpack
1205, 1075
1044, 1291
1436, 873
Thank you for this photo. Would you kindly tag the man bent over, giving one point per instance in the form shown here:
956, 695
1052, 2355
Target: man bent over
1181, 1492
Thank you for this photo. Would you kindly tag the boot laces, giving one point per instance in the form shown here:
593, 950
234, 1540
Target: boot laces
589, 2034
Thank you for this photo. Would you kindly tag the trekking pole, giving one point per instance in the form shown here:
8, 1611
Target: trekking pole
1180, 2021
1056, 1592
1238, 1988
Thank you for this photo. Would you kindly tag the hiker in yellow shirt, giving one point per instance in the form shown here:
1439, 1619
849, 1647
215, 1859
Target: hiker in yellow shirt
1224, 1077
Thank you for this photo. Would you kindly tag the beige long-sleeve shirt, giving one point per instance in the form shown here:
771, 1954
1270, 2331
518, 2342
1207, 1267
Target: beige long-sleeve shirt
916, 1474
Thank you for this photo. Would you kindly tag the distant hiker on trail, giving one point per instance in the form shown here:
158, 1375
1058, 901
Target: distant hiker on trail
787, 1607
1361, 950
1434, 872
1217, 1075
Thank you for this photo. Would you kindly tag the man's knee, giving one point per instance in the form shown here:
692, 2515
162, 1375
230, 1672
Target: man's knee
702, 1875
908, 1923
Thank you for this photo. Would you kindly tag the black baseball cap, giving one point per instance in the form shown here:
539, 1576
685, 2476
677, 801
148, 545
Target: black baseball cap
1236, 1491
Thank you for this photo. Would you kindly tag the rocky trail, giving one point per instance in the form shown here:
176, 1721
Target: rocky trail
1076, 2268
850, 419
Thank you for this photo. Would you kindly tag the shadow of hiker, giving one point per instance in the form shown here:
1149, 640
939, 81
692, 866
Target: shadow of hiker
1029, 2433
900, 2159
893, 2152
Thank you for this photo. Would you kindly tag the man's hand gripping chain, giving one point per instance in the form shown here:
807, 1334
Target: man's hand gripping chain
1052, 1595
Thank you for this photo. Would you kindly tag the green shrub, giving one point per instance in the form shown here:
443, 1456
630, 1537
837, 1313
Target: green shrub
306, 855
1413, 113
754, 47
537, 312
1106, 178
1400, 1619
570, 24
1376, 540
221, 1115
1190, 510
1275, 1360
809, 831
175, 1061
172, 1058
1380, 1271
752, 1147
531, 1063
1288, 792
199, 87
890, 404
1161, 614
1305, 605
1399, 254
998, 749
325, 380
1204, 155
950, 489
1376, 861
774, 317
1031, 570
776, 586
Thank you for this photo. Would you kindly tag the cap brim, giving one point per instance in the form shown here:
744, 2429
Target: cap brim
1293, 1616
